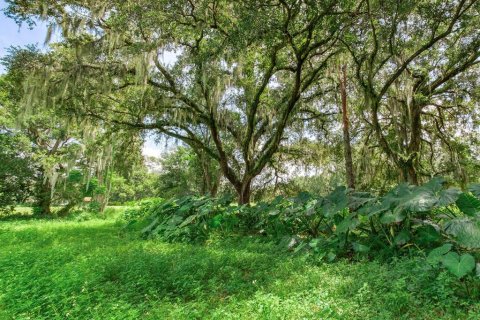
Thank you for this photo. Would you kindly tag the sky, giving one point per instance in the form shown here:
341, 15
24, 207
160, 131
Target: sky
13, 35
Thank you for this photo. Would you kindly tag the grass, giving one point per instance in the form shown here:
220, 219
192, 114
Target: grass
63, 269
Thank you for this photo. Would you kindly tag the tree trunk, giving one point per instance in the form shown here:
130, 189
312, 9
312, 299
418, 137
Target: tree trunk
102, 198
347, 148
44, 198
207, 178
215, 185
415, 142
244, 192
412, 174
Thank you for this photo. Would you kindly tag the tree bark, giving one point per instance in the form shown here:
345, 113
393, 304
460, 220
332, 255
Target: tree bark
215, 185
415, 142
347, 148
44, 198
244, 191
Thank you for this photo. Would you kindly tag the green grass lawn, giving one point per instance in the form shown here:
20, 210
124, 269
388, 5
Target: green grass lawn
28, 211
94, 270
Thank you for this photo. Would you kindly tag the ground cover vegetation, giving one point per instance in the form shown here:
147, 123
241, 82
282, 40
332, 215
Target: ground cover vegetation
95, 269
318, 159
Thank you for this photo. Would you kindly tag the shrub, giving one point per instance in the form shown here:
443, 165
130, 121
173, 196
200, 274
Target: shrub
141, 209
192, 218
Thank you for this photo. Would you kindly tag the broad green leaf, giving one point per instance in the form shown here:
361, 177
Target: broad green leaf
175, 220
426, 235
402, 237
466, 232
347, 224
392, 217
420, 200
358, 199
360, 248
331, 256
393, 198
475, 189
314, 243
448, 196
304, 196
468, 204
435, 256
373, 209
435, 184
402, 190
187, 220
458, 265
185, 208
335, 202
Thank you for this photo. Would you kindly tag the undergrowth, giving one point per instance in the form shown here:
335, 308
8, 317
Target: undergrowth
97, 270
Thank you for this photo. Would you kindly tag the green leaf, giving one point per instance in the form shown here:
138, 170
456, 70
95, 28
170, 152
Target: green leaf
304, 196
373, 209
300, 247
448, 196
466, 232
187, 221
314, 243
393, 198
468, 204
435, 184
458, 265
185, 208
360, 248
175, 220
216, 221
402, 237
347, 224
475, 189
331, 256
436, 255
392, 217
273, 212
357, 200
427, 235
418, 201
335, 202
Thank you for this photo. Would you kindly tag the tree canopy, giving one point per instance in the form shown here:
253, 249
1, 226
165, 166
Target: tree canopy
246, 83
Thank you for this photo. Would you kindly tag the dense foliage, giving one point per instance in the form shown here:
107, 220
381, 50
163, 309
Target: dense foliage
427, 218
266, 109
254, 88
16, 172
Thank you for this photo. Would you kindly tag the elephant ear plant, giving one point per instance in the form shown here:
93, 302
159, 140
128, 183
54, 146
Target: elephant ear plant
459, 265
445, 222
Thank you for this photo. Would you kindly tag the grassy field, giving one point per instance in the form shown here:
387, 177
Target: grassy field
94, 270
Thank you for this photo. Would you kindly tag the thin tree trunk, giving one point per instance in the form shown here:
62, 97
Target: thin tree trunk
415, 142
215, 185
347, 148
102, 198
207, 179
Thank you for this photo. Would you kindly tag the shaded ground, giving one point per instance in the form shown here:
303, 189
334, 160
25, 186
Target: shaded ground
93, 270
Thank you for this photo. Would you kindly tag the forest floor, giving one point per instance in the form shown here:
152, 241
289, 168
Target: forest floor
94, 269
